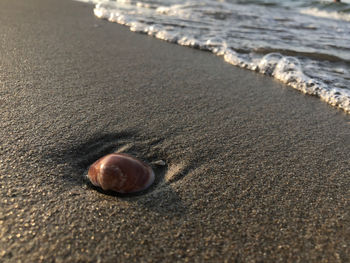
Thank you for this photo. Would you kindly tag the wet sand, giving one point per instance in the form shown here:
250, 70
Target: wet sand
255, 171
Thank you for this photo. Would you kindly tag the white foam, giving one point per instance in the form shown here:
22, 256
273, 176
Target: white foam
326, 14
288, 70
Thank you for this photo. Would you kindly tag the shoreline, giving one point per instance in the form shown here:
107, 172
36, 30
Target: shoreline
282, 65
255, 171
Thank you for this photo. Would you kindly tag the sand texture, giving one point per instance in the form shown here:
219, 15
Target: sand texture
255, 171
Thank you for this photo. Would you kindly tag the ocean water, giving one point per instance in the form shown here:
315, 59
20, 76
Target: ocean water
303, 43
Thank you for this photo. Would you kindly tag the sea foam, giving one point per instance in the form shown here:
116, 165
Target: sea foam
326, 14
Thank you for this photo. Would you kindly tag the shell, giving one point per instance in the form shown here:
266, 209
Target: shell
121, 173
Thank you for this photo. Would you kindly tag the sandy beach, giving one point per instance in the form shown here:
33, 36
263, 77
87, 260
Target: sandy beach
255, 171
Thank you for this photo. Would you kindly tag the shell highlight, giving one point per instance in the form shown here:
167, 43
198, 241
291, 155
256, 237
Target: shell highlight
121, 173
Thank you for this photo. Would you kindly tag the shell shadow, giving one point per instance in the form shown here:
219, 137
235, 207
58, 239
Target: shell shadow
76, 157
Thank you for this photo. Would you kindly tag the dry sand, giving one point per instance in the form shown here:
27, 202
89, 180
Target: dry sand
256, 171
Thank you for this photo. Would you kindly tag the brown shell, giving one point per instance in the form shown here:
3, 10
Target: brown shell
121, 173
